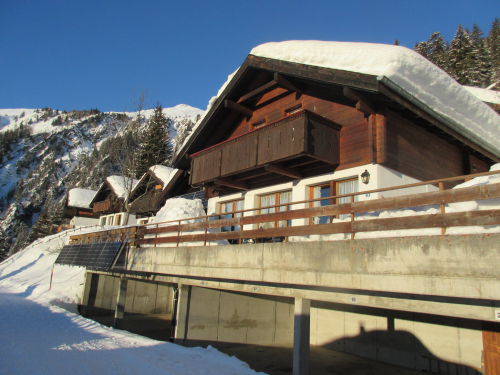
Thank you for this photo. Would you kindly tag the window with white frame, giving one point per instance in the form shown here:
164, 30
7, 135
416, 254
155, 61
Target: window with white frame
329, 189
103, 221
110, 220
273, 200
118, 220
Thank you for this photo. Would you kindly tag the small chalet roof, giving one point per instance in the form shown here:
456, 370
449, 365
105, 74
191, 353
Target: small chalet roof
117, 184
363, 66
485, 95
162, 173
80, 198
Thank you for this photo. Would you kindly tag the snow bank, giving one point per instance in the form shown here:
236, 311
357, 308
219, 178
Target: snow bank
80, 197
43, 334
406, 68
120, 185
165, 174
180, 209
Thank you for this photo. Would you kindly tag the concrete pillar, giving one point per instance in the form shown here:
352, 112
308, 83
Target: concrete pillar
121, 298
301, 336
182, 314
87, 284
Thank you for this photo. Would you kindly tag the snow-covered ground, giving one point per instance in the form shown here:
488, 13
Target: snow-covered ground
42, 333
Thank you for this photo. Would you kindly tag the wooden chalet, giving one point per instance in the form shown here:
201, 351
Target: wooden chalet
279, 121
77, 207
109, 200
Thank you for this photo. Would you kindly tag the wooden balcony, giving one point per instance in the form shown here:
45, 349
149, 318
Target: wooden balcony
106, 207
282, 147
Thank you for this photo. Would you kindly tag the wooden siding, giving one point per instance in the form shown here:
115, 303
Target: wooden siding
280, 142
239, 155
417, 153
206, 167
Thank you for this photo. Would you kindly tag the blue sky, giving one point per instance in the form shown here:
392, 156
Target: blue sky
92, 54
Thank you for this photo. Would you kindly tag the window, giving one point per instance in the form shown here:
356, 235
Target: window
110, 220
259, 123
118, 220
143, 221
270, 200
294, 109
103, 221
329, 189
227, 211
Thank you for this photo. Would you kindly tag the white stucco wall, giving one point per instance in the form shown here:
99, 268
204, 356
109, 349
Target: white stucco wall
380, 177
79, 220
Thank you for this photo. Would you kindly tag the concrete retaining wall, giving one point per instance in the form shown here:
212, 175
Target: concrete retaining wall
418, 341
143, 297
229, 317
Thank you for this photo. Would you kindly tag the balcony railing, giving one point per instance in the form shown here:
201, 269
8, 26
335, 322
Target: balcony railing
144, 205
300, 134
174, 232
106, 207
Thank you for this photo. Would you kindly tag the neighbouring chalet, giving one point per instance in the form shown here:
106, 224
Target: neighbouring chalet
109, 200
289, 126
157, 185
78, 207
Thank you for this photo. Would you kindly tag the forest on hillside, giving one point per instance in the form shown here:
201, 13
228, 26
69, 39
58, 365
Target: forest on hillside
472, 58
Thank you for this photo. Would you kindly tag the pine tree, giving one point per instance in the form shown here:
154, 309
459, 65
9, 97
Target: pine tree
462, 57
156, 148
437, 50
493, 43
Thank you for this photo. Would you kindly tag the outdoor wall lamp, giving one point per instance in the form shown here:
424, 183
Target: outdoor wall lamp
365, 177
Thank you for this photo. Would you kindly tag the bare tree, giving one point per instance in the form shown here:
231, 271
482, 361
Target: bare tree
125, 154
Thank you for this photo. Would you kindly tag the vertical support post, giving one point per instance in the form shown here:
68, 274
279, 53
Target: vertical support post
156, 234
206, 231
182, 314
84, 303
178, 234
352, 218
441, 187
301, 336
120, 303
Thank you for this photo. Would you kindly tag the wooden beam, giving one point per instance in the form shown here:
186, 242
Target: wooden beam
234, 184
283, 82
258, 91
363, 104
282, 170
412, 107
365, 108
229, 104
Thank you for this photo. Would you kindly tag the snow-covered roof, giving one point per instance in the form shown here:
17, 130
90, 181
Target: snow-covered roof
120, 185
487, 96
80, 197
164, 174
408, 70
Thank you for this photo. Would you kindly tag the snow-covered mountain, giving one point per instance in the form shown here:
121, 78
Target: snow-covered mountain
45, 152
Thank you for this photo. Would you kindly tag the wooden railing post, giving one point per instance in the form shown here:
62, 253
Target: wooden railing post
178, 233
441, 187
352, 218
156, 234
206, 231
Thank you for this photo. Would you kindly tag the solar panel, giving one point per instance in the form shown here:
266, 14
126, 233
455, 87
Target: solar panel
97, 256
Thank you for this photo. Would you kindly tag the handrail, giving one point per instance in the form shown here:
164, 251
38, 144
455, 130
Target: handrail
431, 182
